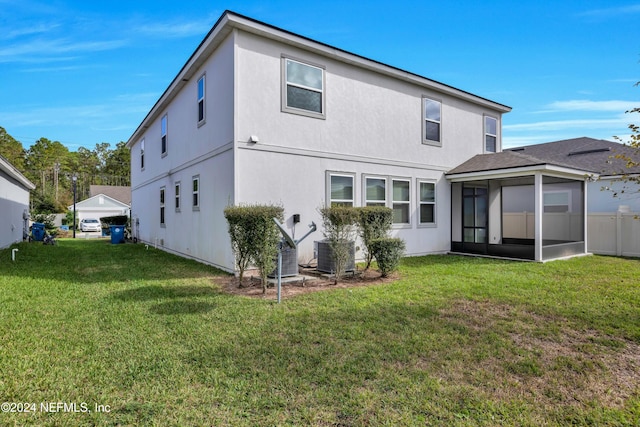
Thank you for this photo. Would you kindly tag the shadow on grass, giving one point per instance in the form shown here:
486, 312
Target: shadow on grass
98, 261
148, 293
181, 298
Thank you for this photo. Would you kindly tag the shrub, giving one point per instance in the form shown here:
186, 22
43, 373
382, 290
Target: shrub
339, 224
254, 237
114, 220
387, 252
374, 222
46, 219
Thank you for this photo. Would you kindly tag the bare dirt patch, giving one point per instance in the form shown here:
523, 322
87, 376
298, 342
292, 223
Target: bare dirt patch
546, 358
308, 281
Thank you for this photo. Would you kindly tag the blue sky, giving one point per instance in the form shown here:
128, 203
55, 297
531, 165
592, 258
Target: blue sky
85, 72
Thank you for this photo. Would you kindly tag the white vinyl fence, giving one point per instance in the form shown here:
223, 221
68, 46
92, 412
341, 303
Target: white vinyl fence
615, 233
611, 233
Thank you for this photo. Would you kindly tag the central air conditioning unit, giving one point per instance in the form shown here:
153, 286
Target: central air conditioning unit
289, 263
325, 256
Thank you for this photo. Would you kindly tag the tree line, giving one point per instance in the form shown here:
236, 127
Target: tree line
50, 166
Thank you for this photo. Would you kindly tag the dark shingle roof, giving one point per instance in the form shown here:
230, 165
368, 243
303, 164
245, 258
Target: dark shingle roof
120, 193
586, 154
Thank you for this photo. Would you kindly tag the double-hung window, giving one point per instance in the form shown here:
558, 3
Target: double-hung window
401, 191
201, 110
375, 191
162, 206
177, 196
426, 203
163, 135
303, 88
195, 192
340, 189
142, 154
490, 134
432, 115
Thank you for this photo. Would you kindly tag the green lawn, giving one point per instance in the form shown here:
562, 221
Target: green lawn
455, 341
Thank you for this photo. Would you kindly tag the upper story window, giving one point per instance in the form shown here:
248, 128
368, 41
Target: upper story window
201, 110
340, 189
142, 154
427, 202
303, 88
490, 134
163, 135
432, 129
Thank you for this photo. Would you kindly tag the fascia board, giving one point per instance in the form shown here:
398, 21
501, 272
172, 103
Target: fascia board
550, 170
14, 173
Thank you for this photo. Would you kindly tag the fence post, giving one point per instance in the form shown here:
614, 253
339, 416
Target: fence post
619, 233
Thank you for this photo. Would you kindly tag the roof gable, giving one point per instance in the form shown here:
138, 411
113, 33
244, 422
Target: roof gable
101, 201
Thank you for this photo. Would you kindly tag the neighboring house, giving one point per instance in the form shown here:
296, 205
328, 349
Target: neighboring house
14, 204
533, 202
100, 206
261, 115
120, 193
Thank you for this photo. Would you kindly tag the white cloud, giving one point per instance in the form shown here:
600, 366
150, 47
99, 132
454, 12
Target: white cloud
612, 11
35, 50
553, 125
588, 105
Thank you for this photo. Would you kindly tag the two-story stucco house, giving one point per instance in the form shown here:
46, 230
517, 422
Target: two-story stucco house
261, 115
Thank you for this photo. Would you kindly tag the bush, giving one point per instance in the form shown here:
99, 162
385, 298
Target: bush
113, 220
374, 222
387, 252
254, 237
339, 224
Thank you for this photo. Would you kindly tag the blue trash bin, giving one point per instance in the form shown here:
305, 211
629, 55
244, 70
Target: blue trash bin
37, 229
117, 234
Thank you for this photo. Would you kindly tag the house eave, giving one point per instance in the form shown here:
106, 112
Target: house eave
546, 169
14, 173
231, 20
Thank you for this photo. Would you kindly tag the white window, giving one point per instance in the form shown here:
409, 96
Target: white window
196, 192
340, 189
432, 129
201, 109
163, 135
375, 191
401, 193
142, 154
303, 88
427, 202
490, 134
177, 196
161, 205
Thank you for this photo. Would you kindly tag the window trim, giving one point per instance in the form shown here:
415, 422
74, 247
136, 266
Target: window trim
329, 201
176, 189
195, 194
163, 211
393, 202
425, 120
142, 154
293, 110
164, 140
419, 202
486, 133
202, 99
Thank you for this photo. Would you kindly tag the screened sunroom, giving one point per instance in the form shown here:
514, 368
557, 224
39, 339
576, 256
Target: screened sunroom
514, 206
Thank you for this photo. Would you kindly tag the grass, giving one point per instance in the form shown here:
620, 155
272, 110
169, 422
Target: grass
455, 341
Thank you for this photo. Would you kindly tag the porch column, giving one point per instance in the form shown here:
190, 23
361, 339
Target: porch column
585, 214
538, 215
